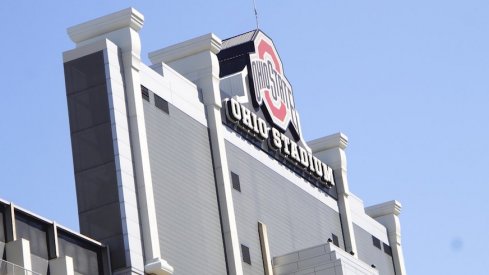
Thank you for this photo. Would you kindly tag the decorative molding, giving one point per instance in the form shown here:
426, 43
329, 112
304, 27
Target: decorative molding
127, 18
158, 266
207, 42
328, 142
383, 209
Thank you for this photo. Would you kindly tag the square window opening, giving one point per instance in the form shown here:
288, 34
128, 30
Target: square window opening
245, 251
387, 249
376, 242
161, 104
145, 93
235, 181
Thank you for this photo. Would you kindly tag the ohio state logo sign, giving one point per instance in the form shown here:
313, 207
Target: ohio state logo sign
271, 87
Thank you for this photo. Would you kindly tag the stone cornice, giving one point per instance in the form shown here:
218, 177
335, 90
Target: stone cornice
207, 42
127, 18
383, 209
332, 141
158, 267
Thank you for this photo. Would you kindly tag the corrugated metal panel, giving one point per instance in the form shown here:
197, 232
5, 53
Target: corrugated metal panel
370, 254
239, 39
184, 191
295, 220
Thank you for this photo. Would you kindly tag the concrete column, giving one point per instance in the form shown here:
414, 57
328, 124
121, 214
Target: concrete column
331, 150
137, 199
265, 249
61, 266
196, 60
53, 249
10, 227
19, 253
388, 215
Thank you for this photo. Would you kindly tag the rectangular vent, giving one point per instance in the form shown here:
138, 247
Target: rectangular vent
161, 104
235, 181
376, 242
387, 249
145, 93
245, 251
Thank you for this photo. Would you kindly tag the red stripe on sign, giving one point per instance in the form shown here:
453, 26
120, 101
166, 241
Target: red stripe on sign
263, 48
278, 113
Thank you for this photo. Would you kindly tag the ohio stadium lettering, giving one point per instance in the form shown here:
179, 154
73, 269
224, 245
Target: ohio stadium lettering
278, 141
266, 77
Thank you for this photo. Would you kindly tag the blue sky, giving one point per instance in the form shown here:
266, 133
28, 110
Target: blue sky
406, 81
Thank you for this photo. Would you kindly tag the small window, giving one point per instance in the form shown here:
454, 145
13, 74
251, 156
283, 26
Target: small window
245, 251
387, 249
376, 242
335, 240
161, 104
235, 181
145, 93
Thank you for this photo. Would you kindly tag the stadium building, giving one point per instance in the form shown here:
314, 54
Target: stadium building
197, 164
32, 245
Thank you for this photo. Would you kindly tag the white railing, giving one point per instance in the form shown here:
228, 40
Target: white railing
8, 268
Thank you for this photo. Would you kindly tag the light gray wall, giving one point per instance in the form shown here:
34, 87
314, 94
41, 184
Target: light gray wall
295, 219
370, 254
185, 193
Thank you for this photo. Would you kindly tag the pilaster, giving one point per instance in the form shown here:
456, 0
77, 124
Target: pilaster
196, 60
19, 253
331, 150
61, 266
388, 215
129, 133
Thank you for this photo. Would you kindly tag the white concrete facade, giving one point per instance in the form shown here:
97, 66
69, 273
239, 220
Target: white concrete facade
187, 76
120, 31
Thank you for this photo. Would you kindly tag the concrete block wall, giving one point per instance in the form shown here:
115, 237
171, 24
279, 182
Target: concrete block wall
325, 259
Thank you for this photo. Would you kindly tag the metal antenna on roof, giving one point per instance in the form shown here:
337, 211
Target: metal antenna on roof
256, 14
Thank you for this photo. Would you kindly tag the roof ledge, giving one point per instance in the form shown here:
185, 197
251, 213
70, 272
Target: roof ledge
129, 17
383, 209
207, 42
158, 266
328, 142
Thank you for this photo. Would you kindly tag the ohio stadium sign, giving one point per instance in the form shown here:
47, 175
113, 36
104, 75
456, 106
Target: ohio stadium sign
271, 87
278, 141
271, 119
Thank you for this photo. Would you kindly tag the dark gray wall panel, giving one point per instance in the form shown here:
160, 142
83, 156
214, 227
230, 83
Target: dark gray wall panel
85, 261
35, 233
295, 219
88, 108
370, 254
2, 226
93, 153
97, 186
101, 221
39, 264
184, 191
